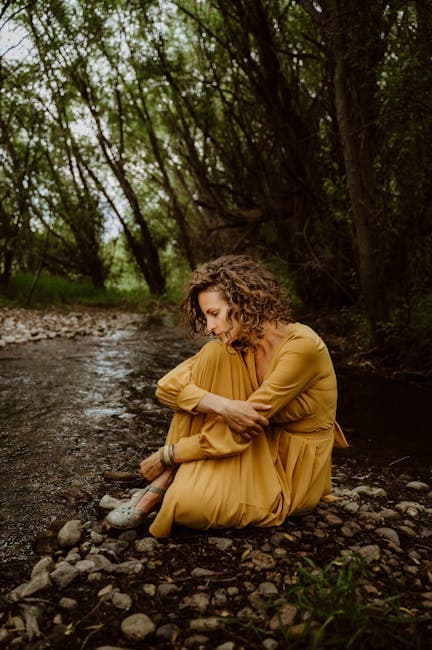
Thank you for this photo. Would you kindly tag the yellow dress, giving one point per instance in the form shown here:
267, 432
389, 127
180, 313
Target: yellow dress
226, 481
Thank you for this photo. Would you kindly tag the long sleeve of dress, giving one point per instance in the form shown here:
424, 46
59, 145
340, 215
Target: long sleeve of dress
177, 390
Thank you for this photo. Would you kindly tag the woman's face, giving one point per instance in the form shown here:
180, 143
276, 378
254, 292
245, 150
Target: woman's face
215, 309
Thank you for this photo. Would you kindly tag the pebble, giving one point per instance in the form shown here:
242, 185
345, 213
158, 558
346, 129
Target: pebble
167, 632
206, 624
370, 553
167, 589
137, 627
199, 572
388, 533
267, 588
121, 601
147, 545
198, 601
63, 574
284, 617
70, 534
38, 583
410, 508
108, 502
221, 543
129, 567
68, 603
45, 564
368, 491
262, 560
419, 486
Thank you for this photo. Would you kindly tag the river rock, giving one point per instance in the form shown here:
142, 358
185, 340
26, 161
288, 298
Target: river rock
410, 508
70, 534
262, 560
137, 627
38, 583
206, 624
86, 566
45, 565
199, 572
388, 533
100, 563
147, 545
68, 603
267, 588
167, 589
418, 486
167, 632
284, 617
63, 574
121, 601
221, 543
350, 528
129, 567
370, 553
199, 601
108, 502
369, 491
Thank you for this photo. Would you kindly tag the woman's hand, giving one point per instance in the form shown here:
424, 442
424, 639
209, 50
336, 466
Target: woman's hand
245, 418
151, 467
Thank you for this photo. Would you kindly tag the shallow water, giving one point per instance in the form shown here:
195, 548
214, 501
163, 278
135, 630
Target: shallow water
71, 409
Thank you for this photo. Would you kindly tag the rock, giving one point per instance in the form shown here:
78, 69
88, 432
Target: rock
368, 491
388, 533
96, 538
262, 560
4, 634
167, 589
68, 603
333, 520
100, 563
228, 645
167, 632
199, 601
149, 589
121, 601
63, 574
220, 598
206, 624
270, 644
256, 600
388, 514
196, 641
108, 502
38, 583
137, 627
410, 508
198, 572
284, 617
350, 528
111, 647
147, 545
267, 588
418, 486
86, 566
350, 506
370, 553
115, 546
45, 565
221, 543
70, 534
129, 567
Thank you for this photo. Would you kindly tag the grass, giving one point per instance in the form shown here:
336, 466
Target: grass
333, 610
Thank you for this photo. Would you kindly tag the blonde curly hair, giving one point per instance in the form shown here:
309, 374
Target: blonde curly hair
252, 293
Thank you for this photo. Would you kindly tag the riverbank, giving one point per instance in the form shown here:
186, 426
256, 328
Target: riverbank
82, 403
359, 568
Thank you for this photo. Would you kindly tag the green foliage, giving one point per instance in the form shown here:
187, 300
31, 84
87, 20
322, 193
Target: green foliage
331, 609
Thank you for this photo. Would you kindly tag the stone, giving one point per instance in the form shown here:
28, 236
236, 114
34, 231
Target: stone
121, 601
284, 617
267, 588
369, 491
68, 603
147, 545
198, 601
198, 572
96, 538
370, 553
108, 502
86, 566
45, 564
350, 528
270, 644
418, 486
256, 600
262, 560
166, 589
149, 589
388, 514
129, 567
220, 598
199, 641
228, 645
410, 508
111, 647
137, 627
206, 624
70, 534
167, 632
63, 574
100, 562
333, 520
388, 533
38, 583
221, 543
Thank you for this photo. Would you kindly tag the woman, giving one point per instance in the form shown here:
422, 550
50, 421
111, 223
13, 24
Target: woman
254, 425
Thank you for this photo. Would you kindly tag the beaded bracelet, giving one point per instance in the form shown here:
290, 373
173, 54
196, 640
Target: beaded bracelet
166, 455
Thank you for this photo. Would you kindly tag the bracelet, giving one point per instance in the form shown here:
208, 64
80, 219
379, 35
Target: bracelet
166, 455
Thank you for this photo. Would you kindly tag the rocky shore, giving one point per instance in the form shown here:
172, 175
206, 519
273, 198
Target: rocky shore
100, 588
31, 325
357, 572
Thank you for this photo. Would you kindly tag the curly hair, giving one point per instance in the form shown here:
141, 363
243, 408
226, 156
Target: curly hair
252, 293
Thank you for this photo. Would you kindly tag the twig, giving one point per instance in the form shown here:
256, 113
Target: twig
398, 460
